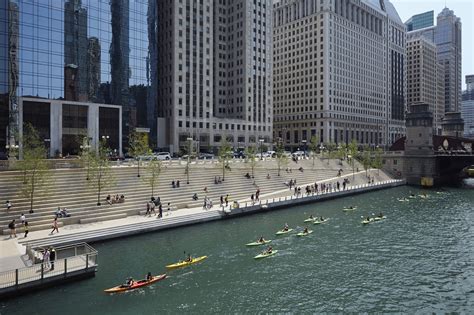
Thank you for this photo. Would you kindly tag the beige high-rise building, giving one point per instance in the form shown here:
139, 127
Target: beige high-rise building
215, 73
425, 78
338, 72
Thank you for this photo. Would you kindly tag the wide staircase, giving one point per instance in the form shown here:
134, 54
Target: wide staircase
69, 188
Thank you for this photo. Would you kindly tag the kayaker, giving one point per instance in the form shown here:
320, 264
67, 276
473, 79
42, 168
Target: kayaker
305, 230
368, 219
189, 259
269, 250
321, 219
261, 239
129, 282
286, 228
149, 277
311, 217
380, 215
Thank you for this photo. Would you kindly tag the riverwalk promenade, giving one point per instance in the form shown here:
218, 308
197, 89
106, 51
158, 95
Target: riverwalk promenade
13, 251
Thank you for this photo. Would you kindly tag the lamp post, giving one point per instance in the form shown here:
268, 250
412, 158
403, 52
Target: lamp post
86, 148
261, 148
190, 142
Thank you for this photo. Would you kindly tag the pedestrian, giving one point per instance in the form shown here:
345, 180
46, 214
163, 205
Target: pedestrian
25, 226
52, 257
55, 226
46, 258
160, 211
257, 194
205, 190
12, 227
226, 200
22, 218
8, 204
152, 209
169, 209
222, 200
252, 198
147, 208
177, 183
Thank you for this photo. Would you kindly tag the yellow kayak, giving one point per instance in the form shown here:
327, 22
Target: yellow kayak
186, 263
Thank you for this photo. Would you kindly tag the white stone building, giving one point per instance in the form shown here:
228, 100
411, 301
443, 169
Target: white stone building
215, 73
338, 71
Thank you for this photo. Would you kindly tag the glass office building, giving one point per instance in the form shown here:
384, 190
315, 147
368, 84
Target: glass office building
89, 51
420, 21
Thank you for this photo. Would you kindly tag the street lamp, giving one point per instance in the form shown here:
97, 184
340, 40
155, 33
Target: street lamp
190, 142
86, 148
261, 148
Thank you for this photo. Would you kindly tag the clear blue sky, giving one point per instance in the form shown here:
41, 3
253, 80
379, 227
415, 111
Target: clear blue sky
463, 9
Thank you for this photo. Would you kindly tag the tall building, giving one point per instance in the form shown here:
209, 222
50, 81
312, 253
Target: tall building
467, 109
420, 21
448, 41
81, 51
338, 72
425, 78
215, 74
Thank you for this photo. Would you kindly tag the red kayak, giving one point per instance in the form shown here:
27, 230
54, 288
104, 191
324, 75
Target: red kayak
136, 284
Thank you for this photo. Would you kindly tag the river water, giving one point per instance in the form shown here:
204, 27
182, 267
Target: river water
419, 259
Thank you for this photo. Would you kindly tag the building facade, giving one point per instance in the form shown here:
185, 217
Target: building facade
420, 21
215, 73
467, 108
85, 51
425, 78
338, 72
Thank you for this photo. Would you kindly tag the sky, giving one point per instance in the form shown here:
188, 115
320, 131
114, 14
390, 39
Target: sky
463, 9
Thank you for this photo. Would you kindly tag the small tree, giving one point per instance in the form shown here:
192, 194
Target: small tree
313, 146
86, 154
377, 161
281, 157
151, 177
35, 168
250, 157
100, 174
366, 159
224, 155
352, 148
331, 148
138, 145
341, 152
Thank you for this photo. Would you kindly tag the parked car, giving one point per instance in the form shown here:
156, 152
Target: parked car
206, 156
298, 154
271, 153
163, 156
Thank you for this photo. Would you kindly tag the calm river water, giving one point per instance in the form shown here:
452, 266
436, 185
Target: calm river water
420, 259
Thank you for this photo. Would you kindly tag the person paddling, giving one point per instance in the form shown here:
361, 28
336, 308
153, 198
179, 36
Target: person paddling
286, 228
261, 239
149, 277
305, 231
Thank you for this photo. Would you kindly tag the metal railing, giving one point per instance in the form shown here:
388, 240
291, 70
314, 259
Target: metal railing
72, 258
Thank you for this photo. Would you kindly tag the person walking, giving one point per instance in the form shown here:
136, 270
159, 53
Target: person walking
257, 194
226, 200
55, 226
222, 200
8, 204
152, 208
27, 230
52, 257
160, 211
169, 209
22, 218
46, 259
12, 227
147, 209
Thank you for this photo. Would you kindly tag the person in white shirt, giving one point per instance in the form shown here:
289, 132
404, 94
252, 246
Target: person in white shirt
22, 218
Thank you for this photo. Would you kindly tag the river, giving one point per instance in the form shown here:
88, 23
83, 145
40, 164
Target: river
419, 259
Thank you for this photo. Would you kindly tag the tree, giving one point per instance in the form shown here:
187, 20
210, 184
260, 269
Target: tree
190, 153
86, 154
35, 168
341, 152
366, 158
313, 146
100, 173
138, 146
281, 157
352, 148
152, 174
250, 157
377, 161
331, 148
224, 155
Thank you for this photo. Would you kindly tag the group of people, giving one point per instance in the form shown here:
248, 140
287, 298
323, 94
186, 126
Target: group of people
224, 200
12, 226
116, 199
217, 180
256, 197
152, 204
49, 256
207, 203
62, 213
175, 184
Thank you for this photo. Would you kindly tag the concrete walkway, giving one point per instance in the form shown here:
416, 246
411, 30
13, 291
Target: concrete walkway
11, 250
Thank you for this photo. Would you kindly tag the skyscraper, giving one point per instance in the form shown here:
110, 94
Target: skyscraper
420, 21
338, 72
448, 41
467, 108
215, 73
